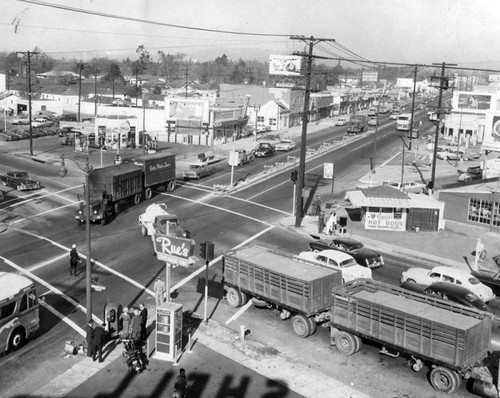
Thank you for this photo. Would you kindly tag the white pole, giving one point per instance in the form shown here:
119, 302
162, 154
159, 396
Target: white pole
232, 163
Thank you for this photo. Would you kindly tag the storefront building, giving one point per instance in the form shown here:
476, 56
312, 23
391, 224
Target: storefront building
388, 209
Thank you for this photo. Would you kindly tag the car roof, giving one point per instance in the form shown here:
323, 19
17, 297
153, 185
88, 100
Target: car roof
451, 271
452, 288
347, 241
335, 254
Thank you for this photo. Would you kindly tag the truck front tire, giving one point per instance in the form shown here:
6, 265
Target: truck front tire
233, 297
144, 231
346, 343
302, 326
445, 380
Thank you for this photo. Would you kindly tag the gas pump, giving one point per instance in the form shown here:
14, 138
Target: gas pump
168, 331
112, 313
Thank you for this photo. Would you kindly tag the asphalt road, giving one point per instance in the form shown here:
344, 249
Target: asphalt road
42, 228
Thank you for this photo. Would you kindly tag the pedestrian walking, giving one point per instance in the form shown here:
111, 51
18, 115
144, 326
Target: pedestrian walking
330, 224
74, 259
321, 222
99, 341
144, 320
159, 288
180, 384
317, 206
125, 323
89, 337
135, 326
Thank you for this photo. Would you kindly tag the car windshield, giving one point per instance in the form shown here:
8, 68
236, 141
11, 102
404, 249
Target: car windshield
350, 262
20, 174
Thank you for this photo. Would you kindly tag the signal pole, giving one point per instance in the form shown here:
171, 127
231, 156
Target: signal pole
80, 67
28, 55
442, 81
311, 41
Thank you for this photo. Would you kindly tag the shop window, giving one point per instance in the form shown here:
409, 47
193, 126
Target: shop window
484, 212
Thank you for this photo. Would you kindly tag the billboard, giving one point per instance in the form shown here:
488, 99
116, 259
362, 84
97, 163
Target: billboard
369, 76
491, 140
285, 65
474, 102
187, 109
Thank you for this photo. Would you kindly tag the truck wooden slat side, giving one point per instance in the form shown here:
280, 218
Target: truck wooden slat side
433, 330
158, 169
119, 181
291, 287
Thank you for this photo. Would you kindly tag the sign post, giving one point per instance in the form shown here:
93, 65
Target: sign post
328, 170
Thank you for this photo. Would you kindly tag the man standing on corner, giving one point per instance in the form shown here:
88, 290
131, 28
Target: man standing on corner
144, 320
90, 338
99, 337
159, 288
74, 259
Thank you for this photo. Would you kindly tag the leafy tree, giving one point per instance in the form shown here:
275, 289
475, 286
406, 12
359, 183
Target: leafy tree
114, 76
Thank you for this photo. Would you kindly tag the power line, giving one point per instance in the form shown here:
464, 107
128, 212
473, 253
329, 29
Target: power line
140, 20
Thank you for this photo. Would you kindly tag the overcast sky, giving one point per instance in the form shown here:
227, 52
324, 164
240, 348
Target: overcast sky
465, 32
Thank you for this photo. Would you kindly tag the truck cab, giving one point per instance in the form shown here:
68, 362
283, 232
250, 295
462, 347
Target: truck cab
156, 220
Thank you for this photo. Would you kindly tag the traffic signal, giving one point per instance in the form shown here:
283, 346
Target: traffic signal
203, 250
445, 84
210, 251
294, 175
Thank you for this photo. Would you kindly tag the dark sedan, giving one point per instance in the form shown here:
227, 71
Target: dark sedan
19, 180
264, 150
451, 292
362, 255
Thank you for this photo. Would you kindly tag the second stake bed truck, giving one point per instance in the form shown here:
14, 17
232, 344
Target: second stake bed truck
112, 187
357, 124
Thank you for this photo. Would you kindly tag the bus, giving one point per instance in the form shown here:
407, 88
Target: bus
403, 122
19, 312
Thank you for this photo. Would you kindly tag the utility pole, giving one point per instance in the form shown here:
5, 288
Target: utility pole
432, 183
80, 67
28, 55
95, 91
187, 76
311, 41
412, 106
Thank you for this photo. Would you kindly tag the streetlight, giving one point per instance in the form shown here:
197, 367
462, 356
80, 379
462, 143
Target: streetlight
88, 267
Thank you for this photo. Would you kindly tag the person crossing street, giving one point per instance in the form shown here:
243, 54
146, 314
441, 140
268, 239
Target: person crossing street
74, 259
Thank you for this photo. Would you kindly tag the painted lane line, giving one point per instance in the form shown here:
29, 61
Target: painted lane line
48, 286
65, 319
35, 196
361, 146
105, 267
47, 262
240, 312
218, 208
41, 214
214, 261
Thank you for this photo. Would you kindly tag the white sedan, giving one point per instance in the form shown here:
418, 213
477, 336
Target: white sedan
285, 145
341, 122
441, 273
337, 260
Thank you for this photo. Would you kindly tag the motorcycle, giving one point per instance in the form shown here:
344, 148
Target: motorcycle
133, 356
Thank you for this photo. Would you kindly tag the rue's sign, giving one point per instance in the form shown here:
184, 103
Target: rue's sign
174, 250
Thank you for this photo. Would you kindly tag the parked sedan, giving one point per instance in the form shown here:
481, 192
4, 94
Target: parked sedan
337, 260
197, 171
448, 274
285, 145
450, 291
394, 116
362, 255
341, 122
20, 180
264, 150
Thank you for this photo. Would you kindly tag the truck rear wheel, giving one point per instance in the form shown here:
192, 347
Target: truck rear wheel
233, 297
346, 343
148, 193
444, 379
137, 198
171, 186
301, 326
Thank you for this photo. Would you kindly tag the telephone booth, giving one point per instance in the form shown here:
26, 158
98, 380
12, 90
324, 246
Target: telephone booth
168, 331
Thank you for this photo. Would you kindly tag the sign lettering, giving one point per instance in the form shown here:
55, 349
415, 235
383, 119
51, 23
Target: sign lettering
173, 246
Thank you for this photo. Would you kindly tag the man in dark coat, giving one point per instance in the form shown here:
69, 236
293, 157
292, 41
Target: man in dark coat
99, 340
135, 326
90, 338
144, 320
74, 259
